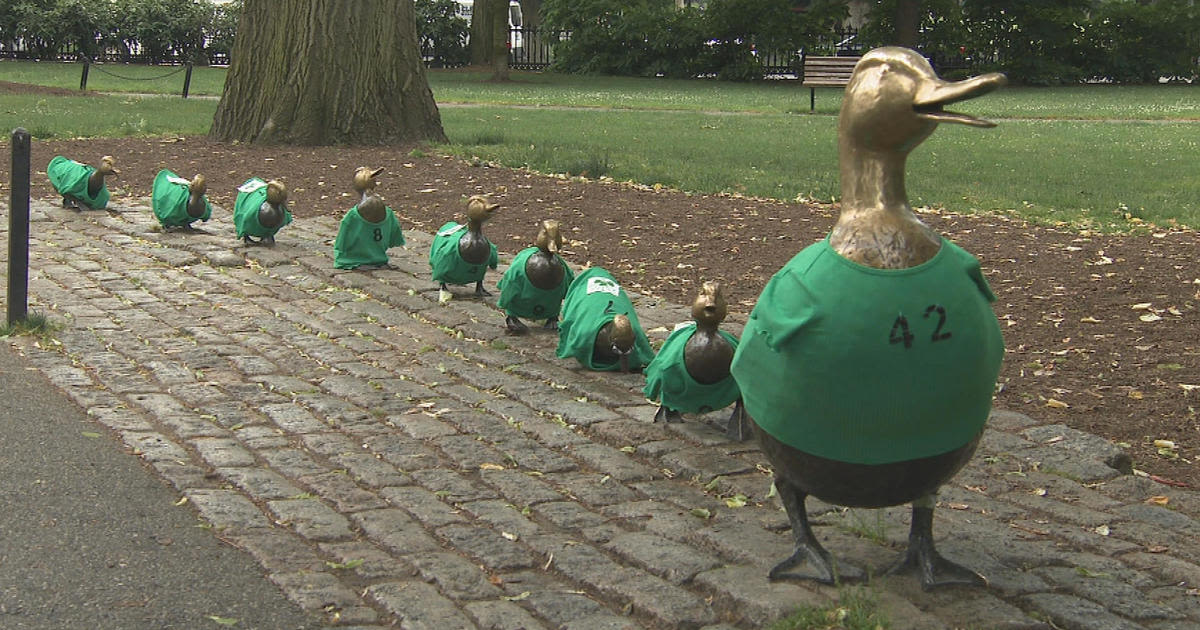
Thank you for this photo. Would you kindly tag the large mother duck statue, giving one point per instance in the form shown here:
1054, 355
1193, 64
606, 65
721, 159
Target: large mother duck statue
869, 362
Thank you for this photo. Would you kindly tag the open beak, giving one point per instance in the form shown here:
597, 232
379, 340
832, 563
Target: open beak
936, 94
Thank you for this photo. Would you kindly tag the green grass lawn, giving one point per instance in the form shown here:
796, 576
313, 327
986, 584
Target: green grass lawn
115, 77
1083, 155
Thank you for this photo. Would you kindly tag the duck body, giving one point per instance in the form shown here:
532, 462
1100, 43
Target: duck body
363, 242
459, 255
700, 385
868, 364
593, 302
256, 216
535, 284
71, 179
173, 203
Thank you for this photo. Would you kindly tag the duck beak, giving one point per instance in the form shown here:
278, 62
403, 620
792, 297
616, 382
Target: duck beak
937, 93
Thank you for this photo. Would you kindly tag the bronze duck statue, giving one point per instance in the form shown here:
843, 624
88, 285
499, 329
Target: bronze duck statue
260, 211
691, 373
536, 282
178, 202
869, 362
460, 253
599, 326
365, 182
79, 184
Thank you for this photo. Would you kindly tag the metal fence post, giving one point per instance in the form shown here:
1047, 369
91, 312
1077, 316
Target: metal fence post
83, 79
18, 229
187, 80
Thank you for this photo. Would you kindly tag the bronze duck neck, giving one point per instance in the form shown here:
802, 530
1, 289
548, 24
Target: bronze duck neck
614, 342
96, 179
196, 204
542, 267
271, 213
893, 102
707, 355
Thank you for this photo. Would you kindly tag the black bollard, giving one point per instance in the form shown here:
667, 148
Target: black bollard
187, 80
18, 229
83, 79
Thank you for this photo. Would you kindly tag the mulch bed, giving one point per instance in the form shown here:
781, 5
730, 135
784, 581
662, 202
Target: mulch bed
1100, 329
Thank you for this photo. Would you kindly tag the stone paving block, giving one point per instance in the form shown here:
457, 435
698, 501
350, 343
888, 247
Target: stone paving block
292, 463
321, 592
665, 603
184, 476
672, 561
279, 551
613, 462
568, 515
503, 516
402, 452
497, 550
311, 519
530, 455
371, 471
1073, 613
227, 510
338, 488
703, 464
594, 489
422, 425
1161, 517
395, 530
452, 486
1165, 567
1058, 511
518, 487
261, 436
466, 452
366, 561
120, 419
653, 516
456, 577
1117, 597
424, 505
1060, 436
419, 606
329, 443
746, 594
260, 483
293, 418
502, 615
603, 621
222, 452
623, 432
153, 447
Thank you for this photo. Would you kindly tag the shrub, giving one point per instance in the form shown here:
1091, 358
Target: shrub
443, 33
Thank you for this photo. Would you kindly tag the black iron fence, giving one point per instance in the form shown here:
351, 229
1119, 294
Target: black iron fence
20, 49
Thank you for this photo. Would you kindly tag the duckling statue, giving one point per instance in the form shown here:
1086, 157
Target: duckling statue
365, 234
536, 282
869, 362
368, 229
177, 202
79, 184
690, 373
460, 253
260, 211
599, 327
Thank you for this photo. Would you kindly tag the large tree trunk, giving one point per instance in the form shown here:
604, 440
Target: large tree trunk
482, 32
908, 21
500, 38
327, 72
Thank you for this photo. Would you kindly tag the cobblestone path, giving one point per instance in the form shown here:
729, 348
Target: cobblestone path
390, 461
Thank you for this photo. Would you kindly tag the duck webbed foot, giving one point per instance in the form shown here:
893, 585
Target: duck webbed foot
551, 324
480, 291
515, 326
924, 560
667, 415
738, 428
73, 204
823, 567
268, 241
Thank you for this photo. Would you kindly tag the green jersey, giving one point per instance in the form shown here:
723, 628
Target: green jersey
169, 198
250, 198
70, 179
448, 265
668, 380
592, 301
360, 242
871, 366
520, 298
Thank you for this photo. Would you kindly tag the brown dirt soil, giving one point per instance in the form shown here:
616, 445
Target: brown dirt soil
1100, 329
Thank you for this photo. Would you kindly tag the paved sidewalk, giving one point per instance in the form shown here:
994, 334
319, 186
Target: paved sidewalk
388, 460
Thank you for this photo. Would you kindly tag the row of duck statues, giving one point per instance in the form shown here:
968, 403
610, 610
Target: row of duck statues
866, 369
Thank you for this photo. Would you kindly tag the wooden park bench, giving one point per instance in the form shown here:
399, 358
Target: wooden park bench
826, 72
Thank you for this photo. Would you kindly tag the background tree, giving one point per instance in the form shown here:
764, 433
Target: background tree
482, 31
327, 72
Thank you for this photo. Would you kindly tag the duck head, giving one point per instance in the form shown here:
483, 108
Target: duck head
196, 189
710, 307
622, 338
549, 238
108, 167
271, 213
479, 209
364, 180
893, 102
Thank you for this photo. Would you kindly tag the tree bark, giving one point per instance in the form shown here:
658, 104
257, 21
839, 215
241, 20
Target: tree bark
482, 32
908, 21
319, 72
500, 39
